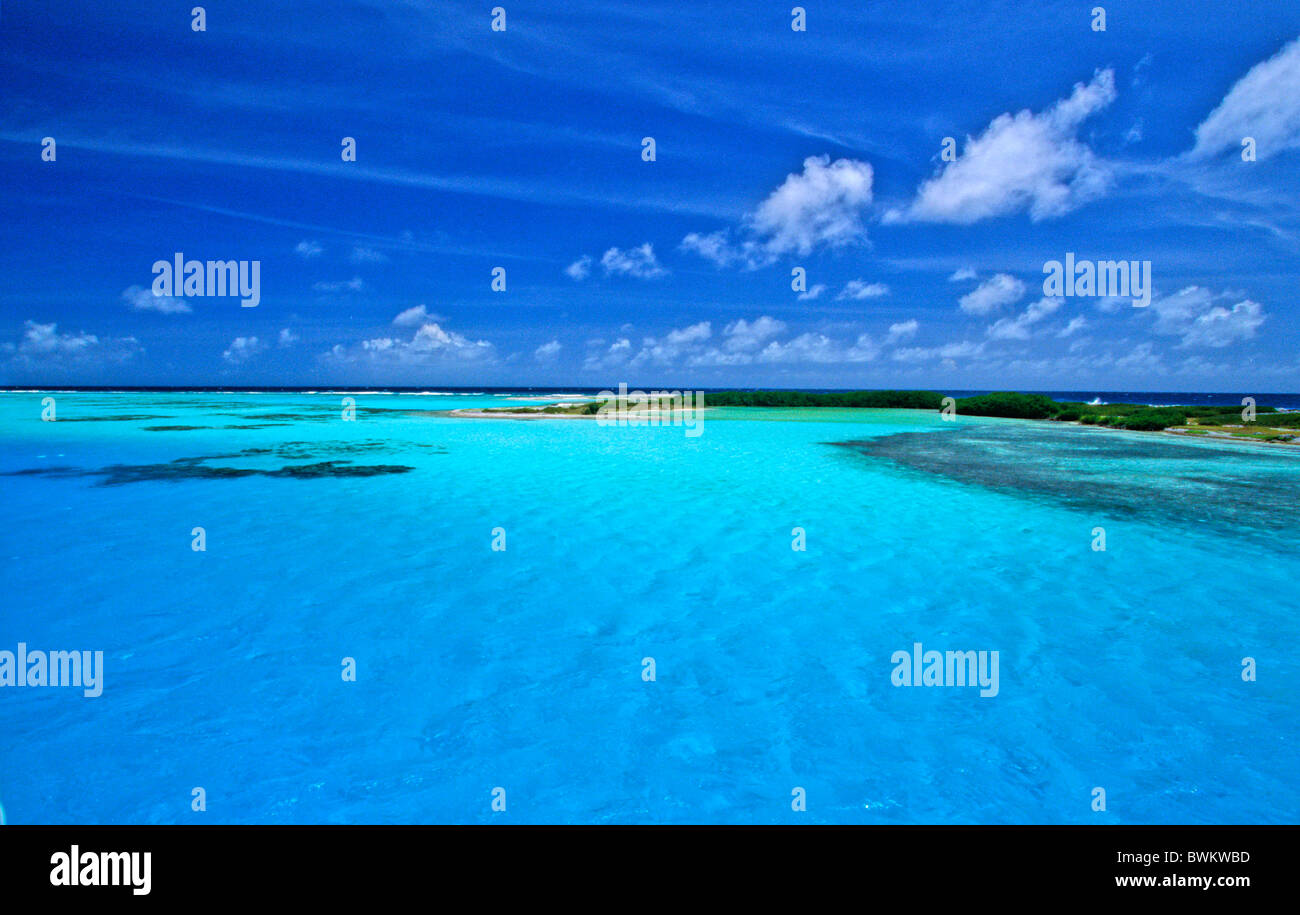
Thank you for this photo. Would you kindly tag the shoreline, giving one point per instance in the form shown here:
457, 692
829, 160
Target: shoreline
472, 413
647, 415
1221, 437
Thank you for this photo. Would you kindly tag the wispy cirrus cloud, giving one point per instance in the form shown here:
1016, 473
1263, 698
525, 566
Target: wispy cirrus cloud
356, 284
497, 187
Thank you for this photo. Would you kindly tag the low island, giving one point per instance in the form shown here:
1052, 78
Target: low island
1269, 424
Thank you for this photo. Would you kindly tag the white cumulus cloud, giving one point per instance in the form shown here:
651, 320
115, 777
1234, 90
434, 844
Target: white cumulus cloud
742, 343
1264, 104
416, 316
242, 349
1018, 328
902, 330
141, 299
639, 262
363, 255
747, 336
821, 206
1075, 325
1021, 162
857, 289
947, 352
995, 292
430, 345
580, 269
1203, 318
42, 344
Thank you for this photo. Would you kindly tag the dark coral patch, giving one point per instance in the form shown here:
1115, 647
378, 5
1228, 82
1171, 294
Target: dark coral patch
337, 469
1120, 474
111, 419
194, 469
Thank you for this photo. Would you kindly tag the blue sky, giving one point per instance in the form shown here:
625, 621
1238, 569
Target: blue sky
774, 149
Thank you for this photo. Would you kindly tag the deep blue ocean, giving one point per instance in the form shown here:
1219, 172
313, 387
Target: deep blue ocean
525, 668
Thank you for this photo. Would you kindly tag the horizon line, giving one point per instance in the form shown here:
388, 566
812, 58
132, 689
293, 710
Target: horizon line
546, 389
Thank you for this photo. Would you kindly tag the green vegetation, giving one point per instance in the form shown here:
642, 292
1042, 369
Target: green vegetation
1136, 417
1008, 404
578, 409
1238, 432
898, 400
1152, 419
1038, 406
1266, 417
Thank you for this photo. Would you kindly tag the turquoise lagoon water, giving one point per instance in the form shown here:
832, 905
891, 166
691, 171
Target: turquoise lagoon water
522, 668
